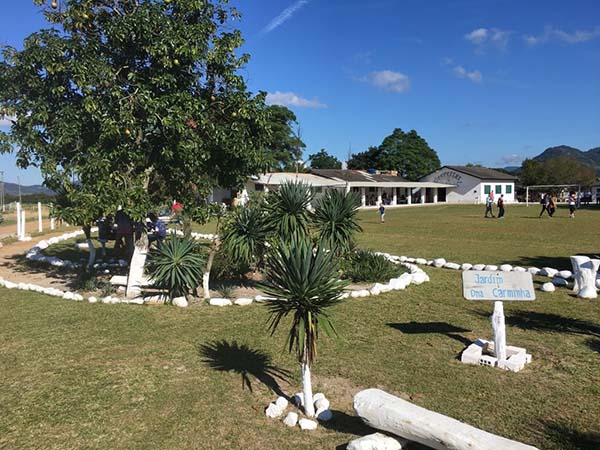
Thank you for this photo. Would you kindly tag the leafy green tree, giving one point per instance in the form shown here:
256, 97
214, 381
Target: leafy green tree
304, 283
408, 153
133, 102
336, 220
323, 160
560, 170
284, 145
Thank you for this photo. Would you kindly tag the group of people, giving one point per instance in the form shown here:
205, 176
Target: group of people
489, 206
122, 229
549, 203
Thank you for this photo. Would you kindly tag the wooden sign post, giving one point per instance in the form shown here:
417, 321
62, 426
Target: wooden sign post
500, 287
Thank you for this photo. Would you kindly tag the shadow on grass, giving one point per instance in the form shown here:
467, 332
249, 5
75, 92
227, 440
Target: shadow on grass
232, 357
593, 344
347, 424
537, 321
556, 262
443, 328
570, 438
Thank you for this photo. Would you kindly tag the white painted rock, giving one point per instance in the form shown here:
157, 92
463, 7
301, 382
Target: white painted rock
548, 287
77, 297
137, 301
291, 419
107, 299
402, 258
261, 298
421, 261
566, 274
363, 293
550, 272
324, 415
220, 302
321, 403
375, 441
506, 267
420, 278
452, 266
519, 269
307, 424
344, 296
398, 283
561, 282
92, 299
491, 267
68, 296
281, 402
355, 294
478, 267
10, 285
466, 266
180, 301
243, 301
273, 411
533, 271
375, 290
439, 262
385, 287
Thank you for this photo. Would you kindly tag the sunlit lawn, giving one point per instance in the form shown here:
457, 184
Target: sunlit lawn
76, 375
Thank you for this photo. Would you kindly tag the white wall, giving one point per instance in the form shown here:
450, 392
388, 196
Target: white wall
468, 188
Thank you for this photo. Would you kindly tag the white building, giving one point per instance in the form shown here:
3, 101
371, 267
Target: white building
472, 184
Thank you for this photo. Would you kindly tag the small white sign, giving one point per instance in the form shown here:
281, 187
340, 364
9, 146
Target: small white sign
498, 286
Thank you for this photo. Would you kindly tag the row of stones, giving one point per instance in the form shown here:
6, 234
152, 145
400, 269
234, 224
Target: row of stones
277, 408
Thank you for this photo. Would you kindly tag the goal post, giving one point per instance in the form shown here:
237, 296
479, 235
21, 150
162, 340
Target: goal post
537, 187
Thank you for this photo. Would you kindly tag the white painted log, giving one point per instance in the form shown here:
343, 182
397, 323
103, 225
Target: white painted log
92, 250
383, 411
52, 223
585, 271
499, 327
136, 279
22, 237
309, 407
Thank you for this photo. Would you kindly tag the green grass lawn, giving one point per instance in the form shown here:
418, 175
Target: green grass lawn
76, 375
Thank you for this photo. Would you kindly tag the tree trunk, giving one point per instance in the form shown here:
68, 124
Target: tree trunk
584, 273
136, 278
383, 411
87, 230
309, 407
209, 263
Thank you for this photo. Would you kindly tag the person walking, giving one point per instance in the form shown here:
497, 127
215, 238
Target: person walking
552, 206
545, 201
572, 202
501, 207
382, 213
489, 203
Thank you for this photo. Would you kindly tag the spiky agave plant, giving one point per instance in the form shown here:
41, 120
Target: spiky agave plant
244, 235
335, 219
287, 210
304, 283
176, 265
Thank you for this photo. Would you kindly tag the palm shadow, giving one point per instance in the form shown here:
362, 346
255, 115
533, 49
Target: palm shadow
442, 328
570, 438
593, 344
557, 262
548, 322
226, 356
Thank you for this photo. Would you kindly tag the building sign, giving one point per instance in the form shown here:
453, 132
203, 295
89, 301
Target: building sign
449, 177
499, 286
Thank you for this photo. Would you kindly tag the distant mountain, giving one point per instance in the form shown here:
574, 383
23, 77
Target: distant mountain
13, 189
590, 158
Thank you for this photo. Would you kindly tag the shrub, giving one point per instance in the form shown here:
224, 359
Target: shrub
367, 266
176, 265
336, 220
244, 235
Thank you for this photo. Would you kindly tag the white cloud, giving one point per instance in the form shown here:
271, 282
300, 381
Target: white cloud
474, 75
446, 61
292, 99
486, 37
388, 80
555, 34
284, 16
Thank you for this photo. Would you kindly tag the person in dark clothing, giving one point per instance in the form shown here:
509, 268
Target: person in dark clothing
382, 213
124, 233
158, 229
545, 201
501, 207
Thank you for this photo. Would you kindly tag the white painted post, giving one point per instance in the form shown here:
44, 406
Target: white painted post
499, 327
40, 227
18, 220
363, 197
422, 192
136, 279
379, 196
527, 196
22, 237
409, 196
395, 196
52, 223
435, 195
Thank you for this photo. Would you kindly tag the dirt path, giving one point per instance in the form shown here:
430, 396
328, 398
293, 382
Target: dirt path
13, 267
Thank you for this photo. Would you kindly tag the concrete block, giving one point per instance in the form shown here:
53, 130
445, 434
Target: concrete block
487, 360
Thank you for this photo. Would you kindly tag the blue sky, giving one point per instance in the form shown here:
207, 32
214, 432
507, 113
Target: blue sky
483, 81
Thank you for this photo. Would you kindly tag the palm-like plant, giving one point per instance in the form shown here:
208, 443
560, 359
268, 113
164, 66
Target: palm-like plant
176, 265
287, 210
244, 235
304, 283
336, 221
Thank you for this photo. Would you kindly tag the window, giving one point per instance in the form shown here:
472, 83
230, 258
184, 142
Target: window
509, 188
487, 189
498, 189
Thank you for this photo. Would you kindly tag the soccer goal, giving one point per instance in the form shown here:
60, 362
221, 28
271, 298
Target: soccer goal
544, 188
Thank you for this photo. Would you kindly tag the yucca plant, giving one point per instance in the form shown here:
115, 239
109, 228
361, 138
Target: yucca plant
244, 235
303, 281
176, 266
287, 210
367, 266
336, 220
